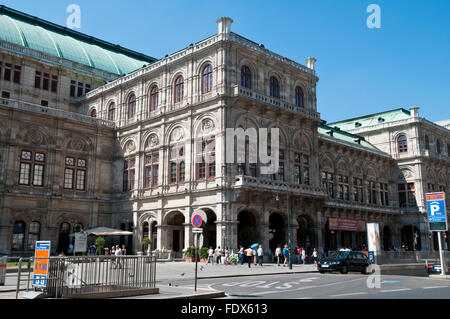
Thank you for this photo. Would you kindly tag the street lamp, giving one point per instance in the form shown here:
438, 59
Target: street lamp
289, 225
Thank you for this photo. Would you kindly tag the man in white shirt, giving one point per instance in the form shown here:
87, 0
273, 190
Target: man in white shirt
118, 253
260, 255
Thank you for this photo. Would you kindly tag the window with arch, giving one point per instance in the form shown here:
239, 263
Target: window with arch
151, 169
34, 233
94, 113
131, 106
402, 144
301, 168
128, 174
111, 111
427, 142
176, 165
207, 79
246, 77
274, 87
178, 89
153, 98
18, 238
75, 173
206, 159
438, 147
299, 96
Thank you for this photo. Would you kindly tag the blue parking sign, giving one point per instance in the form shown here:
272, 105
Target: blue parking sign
437, 216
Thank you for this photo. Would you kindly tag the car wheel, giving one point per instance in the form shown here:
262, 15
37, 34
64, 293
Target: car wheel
364, 271
344, 269
321, 271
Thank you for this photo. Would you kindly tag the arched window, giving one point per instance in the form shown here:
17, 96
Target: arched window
131, 106
427, 142
206, 165
438, 146
402, 144
94, 113
274, 87
179, 86
18, 239
246, 77
111, 110
176, 165
299, 96
145, 230
34, 233
154, 98
207, 79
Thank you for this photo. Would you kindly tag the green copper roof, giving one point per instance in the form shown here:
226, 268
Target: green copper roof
34, 33
344, 136
372, 119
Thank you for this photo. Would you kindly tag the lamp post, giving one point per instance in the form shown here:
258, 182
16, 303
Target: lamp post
289, 226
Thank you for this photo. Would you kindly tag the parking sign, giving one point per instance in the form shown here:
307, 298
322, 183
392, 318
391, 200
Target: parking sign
437, 216
41, 254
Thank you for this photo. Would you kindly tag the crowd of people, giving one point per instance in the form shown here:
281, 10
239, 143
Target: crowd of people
254, 255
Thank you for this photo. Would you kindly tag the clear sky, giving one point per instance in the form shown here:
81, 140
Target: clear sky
361, 71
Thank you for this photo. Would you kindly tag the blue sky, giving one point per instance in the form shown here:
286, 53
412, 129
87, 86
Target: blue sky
361, 71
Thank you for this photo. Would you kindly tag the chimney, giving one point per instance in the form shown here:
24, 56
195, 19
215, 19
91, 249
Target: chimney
223, 25
414, 111
310, 63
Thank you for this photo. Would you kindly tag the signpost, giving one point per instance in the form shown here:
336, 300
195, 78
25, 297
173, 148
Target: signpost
197, 221
437, 219
41, 262
80, 242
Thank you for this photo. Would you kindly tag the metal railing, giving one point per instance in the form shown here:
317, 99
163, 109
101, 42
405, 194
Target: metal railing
74, 275
413, 257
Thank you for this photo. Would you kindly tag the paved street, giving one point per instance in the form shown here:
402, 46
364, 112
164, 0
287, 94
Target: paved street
325, 286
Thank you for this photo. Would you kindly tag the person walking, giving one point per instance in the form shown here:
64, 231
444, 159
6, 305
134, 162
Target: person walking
218, 255
315, 256
117, 254
260, 255
303, 255
227, 256
124, 250
255, 256
210, 255
241, 255
278, 255
285, 255
299, 255
249, 253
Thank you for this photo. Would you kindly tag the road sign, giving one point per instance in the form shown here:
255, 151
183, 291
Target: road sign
197, 221
80, 242
197, 230
41, 254
437, 216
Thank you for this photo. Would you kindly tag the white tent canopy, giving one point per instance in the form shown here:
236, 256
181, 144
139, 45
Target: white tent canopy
106, 231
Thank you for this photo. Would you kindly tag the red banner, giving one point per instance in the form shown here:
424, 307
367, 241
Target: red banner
347, 224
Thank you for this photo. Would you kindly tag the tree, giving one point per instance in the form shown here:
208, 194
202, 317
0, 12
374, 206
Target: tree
99, 244
146, 242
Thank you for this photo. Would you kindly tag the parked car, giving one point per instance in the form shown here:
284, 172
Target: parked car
436, 268
344, 261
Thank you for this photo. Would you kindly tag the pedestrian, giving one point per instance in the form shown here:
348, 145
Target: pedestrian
117, 254
241, 255
285, 255
315, 256
303, 255
210, 255
249, 253
106, 251
124, 250
299, 255
113, 250
218, 255
92, 250
227, 256
260, 255
278, 255
254, 256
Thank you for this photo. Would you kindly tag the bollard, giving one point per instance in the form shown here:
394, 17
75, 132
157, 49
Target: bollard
3, 270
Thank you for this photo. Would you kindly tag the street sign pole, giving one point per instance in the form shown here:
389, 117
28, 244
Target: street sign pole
441, 257
195, 256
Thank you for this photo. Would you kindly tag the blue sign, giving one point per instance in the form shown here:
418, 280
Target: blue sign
437, 216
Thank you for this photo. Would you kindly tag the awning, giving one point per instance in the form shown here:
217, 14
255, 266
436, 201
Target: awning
106, 231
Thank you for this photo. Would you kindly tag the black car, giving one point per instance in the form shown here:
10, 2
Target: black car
344, 261
436, 269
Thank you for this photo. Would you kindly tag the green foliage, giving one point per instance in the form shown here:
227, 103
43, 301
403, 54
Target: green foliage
203, 253
99, 244
190, 251
146, 241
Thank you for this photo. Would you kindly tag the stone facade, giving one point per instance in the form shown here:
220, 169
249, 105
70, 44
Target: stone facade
153, 127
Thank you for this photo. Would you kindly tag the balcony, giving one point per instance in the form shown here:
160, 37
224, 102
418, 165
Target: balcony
243, 181
36, 108
239, 91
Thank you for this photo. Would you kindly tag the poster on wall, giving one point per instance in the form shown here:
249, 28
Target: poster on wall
373, 240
